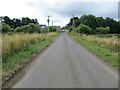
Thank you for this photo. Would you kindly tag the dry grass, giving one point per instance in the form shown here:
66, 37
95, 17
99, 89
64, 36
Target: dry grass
110, 43
105, 48
17, 42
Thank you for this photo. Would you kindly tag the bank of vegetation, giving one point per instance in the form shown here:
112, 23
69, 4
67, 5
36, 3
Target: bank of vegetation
99, 35
21, 40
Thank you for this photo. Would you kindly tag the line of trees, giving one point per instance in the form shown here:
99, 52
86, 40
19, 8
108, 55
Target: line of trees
15, 22
25, 25
91, 24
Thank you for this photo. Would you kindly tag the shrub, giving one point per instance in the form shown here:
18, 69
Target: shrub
52, 28
103, 30
84, 29
77, 29
43, 30
6, 28
30, 28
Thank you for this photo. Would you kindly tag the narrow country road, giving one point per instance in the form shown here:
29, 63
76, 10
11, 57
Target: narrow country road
66, 64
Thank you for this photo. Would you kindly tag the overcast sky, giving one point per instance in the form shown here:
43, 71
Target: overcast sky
60, 10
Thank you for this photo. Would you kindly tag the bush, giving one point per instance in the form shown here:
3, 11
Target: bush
102, 30
44, 30
30, 28
52, 28
84, 29
6, 28
77, 29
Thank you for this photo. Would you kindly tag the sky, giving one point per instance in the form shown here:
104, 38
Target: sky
60, 10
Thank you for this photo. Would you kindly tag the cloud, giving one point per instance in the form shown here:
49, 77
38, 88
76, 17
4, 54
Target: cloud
67, 9
60, 10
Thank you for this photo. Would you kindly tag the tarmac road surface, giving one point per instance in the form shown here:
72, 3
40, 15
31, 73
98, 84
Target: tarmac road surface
66, 64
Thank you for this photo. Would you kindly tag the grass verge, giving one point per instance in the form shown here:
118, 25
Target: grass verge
103, 53
15, 62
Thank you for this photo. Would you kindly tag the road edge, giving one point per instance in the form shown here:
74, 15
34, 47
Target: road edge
20, 71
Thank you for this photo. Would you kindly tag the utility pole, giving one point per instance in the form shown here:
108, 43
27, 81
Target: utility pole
73, 22
48, 20
52, 23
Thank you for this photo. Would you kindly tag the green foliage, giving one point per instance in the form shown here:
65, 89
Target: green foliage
100, 22
52, 28
93, 22
30, 28
113, 25
71, 21
15, 22
102, 30
44, 30
88, 20
84, 29
6, 28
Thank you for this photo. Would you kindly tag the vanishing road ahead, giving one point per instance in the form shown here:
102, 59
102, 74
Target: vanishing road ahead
66, 64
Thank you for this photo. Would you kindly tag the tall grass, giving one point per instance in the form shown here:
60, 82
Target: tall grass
105, 48
25, 46
17, 42
110, 43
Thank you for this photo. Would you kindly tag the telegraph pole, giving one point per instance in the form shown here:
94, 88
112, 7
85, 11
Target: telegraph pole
48, 20
52, 23
73, 22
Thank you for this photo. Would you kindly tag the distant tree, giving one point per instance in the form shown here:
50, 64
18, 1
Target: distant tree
6, 28
71, 21
100, 22
102, 30
7, 20
35, 21
77, 22
93, 22
53, 28
112, 24
1, 19
89, 20
44, 30
30, 28
84, 29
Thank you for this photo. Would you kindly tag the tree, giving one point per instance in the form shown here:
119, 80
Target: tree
102, 30
30, 28
89, 20
6, 20
100, 22
52, 28
84, 29
112, 24
93, 22
71, 21
77, 22
6, 28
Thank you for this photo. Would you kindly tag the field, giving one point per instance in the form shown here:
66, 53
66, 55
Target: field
18, 48
105, 47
